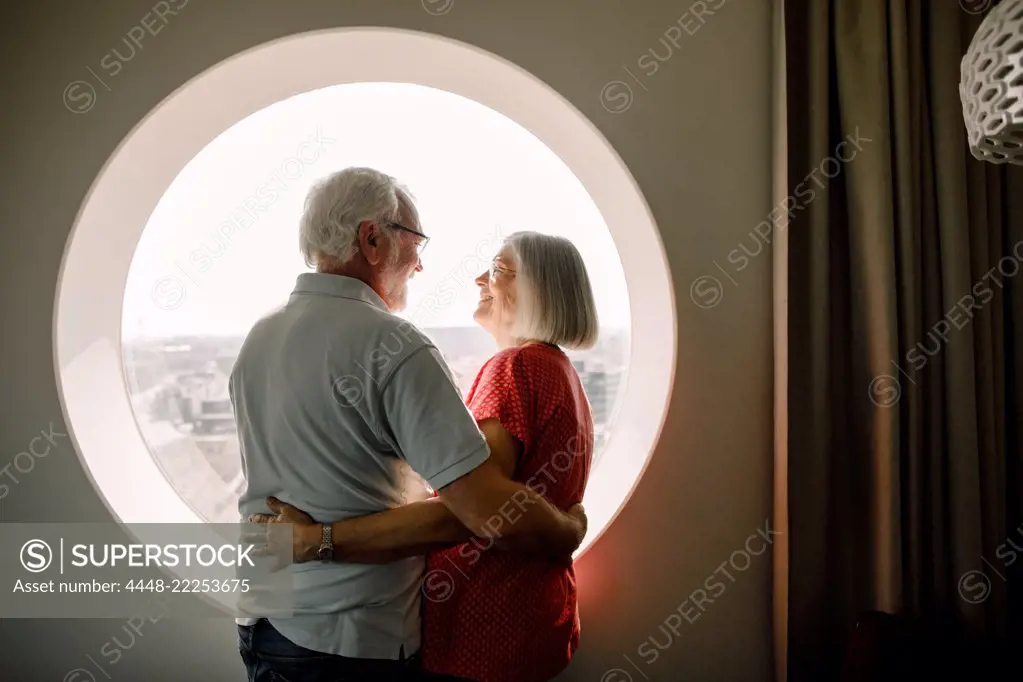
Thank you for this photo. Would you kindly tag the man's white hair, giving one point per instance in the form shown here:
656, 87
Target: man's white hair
340, 202
555, 298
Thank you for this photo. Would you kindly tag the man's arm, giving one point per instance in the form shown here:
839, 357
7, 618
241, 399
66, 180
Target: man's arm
493, 505
423, 410
524, 524
410, 530
511, 514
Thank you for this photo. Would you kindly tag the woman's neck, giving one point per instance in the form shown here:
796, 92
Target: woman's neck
506, 340
517, 343
504, 343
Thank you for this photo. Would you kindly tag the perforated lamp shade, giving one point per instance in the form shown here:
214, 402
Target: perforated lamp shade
991, 86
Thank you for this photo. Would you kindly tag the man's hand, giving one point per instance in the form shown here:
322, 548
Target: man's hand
305, 532
578, 514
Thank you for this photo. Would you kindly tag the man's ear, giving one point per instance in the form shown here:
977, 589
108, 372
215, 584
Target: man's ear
369, 232
366, 231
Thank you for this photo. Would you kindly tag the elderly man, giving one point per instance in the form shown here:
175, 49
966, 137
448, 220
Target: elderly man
336, 398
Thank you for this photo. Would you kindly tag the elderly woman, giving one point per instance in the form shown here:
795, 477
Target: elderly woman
492, 615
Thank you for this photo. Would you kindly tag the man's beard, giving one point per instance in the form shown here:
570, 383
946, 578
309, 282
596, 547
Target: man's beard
400, 298
399, 292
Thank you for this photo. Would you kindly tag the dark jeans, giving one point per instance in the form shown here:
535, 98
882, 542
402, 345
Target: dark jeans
271, 657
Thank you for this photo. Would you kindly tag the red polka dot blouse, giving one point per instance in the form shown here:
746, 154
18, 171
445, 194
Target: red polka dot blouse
513, 617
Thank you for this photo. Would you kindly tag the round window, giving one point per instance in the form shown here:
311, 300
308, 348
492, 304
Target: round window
189, 235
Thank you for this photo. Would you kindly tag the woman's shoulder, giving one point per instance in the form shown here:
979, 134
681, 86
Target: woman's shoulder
529, 356
529, 363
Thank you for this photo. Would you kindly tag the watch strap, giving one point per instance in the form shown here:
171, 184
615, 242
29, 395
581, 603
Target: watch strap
326, 550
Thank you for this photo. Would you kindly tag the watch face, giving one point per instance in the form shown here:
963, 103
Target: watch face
325, 553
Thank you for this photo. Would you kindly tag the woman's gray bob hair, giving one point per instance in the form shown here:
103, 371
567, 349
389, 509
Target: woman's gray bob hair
555, 299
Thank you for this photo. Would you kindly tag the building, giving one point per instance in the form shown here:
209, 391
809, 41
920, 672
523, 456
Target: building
601, 383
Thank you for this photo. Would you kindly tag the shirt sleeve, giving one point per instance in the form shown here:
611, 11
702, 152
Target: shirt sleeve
431, 427
502, 393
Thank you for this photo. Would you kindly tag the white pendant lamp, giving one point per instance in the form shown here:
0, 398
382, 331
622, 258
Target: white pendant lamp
991, 86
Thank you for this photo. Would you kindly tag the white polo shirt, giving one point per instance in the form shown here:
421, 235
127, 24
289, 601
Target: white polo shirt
335, 398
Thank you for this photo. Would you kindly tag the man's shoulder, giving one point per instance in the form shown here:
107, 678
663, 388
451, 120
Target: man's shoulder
395, 324
353, 321
387, 343
267, 323
379, 327
261, 329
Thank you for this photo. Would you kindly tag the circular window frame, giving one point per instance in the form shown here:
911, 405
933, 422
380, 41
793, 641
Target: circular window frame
88, 308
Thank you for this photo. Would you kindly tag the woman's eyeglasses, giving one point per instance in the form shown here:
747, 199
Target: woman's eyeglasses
421, 246
495, 268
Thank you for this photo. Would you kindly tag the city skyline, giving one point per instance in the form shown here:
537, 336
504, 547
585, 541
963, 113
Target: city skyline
179, 396
466, 346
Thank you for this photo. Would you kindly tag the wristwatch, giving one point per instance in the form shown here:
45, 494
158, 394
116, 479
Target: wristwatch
326, 550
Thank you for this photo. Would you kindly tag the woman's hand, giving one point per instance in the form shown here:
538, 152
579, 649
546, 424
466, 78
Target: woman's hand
305, 532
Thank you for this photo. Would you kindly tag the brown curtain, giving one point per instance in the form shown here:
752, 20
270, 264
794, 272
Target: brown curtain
902, 466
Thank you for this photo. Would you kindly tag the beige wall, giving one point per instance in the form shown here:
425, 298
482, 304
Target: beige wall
697, 139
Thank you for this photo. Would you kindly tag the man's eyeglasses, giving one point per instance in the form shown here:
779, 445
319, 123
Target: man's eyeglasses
421, 246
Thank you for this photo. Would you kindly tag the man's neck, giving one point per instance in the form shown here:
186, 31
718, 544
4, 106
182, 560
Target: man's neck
359, 271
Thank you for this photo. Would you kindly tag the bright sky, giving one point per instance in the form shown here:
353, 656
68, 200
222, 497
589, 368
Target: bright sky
476, 175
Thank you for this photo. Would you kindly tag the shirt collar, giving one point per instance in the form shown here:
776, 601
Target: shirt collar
340, 286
